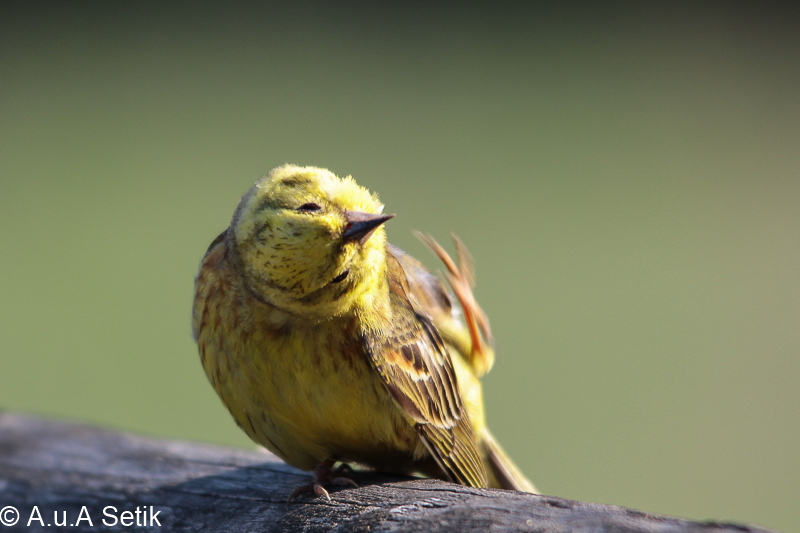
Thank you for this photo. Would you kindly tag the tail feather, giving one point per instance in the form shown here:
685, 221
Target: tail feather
502, 471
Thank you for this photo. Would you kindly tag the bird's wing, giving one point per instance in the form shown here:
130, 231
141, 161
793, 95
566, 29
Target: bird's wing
424, 286
411, 358
467, 332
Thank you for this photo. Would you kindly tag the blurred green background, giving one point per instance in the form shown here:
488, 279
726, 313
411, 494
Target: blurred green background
626, 176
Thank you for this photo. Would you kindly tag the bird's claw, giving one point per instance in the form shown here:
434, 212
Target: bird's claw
324, 475
319, 490
344, 482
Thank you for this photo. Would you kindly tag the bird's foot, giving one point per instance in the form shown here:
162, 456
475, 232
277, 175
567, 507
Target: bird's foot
325, 474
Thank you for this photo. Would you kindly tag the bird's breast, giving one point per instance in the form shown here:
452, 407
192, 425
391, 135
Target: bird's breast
305, 391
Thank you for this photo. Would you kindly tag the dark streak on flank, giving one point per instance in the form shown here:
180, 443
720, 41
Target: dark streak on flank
252, 427
273, 444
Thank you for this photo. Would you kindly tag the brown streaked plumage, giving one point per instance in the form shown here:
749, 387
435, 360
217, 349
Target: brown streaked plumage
327, 344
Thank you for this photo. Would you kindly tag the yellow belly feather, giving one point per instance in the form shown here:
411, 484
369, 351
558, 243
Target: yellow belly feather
267, 368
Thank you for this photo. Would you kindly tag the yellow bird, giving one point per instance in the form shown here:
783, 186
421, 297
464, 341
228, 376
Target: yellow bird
327, 344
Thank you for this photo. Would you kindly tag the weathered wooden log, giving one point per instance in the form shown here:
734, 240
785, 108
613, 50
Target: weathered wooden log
57, 474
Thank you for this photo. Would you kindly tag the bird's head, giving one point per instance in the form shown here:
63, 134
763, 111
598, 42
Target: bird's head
309, 242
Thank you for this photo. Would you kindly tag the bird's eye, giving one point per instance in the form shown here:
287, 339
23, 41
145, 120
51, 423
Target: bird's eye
309, 208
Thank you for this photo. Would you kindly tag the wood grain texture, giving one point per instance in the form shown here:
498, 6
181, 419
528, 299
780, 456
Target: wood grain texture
60, 466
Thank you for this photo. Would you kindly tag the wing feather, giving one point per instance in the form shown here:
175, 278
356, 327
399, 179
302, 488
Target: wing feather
414, 364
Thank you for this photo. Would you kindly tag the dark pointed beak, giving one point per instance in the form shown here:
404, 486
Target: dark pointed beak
361, 226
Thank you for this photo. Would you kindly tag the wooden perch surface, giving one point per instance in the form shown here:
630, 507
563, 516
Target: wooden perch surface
60, 467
